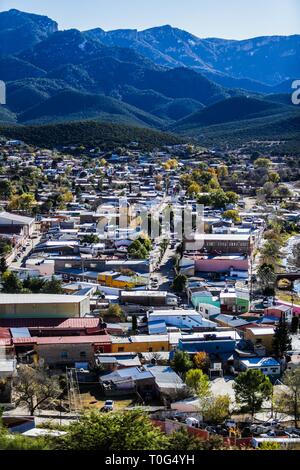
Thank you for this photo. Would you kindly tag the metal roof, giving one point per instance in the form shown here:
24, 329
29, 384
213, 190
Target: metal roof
13, 299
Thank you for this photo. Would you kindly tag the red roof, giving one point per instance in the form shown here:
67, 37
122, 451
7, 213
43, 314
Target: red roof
25, 340
5, 333
99, 339
5, 341
50, 323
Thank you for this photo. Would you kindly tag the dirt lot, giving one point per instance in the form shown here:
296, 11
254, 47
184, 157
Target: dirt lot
92, 398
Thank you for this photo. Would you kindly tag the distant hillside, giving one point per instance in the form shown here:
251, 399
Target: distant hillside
76, 106
233, 109
281, 127
13, 68
178, 108
90, 134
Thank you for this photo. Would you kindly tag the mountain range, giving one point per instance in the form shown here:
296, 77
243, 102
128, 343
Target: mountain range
163, 77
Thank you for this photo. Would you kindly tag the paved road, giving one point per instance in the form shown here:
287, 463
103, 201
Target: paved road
24, 254
165, 275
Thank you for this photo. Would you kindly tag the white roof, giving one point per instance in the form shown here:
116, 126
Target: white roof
176, 312
222, 236
12, 299
21, 219
262, 331
219, 334
140, 339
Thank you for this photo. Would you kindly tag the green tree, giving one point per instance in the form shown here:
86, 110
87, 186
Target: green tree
127, 430
252, 388
3, 265
137, 250
269, 446
5, 189
264, 163
24, 202
217, 409
179, 283
193, 189
182, 440
198, 382
33, 386
282, 341
54, 286
181, 362
232, 197
11, 284
270, 252
115, 309
134, 323
232, 215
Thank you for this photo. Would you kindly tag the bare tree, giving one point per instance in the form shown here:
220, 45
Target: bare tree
34, 386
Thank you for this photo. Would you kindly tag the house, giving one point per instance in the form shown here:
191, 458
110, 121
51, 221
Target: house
181, 318
219, 345
227, 264
55, 326
267, 365
229, 321
43, 305
66, 350
14, 221
217, 244
280, 311
148, 298
117, 360
234, 301
260, 337
147, 380
140, 343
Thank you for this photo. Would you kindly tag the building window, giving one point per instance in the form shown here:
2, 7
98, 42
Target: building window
150, 349
120, 349
82, 354
163, 348
64, 355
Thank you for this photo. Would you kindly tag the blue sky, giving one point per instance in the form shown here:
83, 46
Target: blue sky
234, 19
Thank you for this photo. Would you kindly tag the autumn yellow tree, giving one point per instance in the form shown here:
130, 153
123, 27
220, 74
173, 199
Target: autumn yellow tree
201, 360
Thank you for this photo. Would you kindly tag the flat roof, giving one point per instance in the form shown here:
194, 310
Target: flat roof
177, 312
12, 299
262, 331
73, 339
148, 293
140, 339
18, 218
221, 236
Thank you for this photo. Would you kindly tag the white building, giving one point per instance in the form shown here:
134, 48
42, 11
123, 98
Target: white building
181, 318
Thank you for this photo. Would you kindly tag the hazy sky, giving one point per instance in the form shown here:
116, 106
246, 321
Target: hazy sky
205, 18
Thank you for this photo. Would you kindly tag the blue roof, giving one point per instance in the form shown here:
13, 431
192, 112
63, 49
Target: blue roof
20, 333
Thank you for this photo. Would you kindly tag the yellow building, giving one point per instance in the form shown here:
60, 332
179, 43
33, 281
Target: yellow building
113, 279
141, 344
261, 337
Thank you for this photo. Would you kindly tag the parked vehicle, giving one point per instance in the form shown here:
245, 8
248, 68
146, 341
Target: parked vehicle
108, 405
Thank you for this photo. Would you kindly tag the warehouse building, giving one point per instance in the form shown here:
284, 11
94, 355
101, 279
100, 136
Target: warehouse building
43, 305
